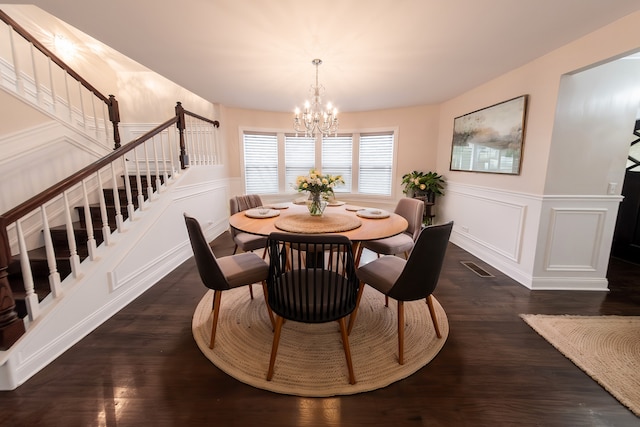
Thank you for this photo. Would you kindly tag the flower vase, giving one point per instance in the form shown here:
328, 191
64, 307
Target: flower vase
316, 205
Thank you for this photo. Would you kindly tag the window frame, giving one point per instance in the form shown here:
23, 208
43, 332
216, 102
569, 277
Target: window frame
287, 188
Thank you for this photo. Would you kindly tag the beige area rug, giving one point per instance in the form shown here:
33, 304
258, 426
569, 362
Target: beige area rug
605, 347
311, 360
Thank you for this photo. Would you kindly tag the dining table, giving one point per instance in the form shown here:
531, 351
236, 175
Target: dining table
357, 223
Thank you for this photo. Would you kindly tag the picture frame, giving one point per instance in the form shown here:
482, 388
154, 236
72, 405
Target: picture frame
491, 139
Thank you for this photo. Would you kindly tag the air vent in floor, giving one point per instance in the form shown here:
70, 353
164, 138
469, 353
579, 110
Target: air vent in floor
476, 269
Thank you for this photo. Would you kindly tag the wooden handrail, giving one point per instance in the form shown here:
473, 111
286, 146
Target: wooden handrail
110, 101
42, 198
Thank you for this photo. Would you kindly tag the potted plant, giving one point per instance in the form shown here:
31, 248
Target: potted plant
429, 184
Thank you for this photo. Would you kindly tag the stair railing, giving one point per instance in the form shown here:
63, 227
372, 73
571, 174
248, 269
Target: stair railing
41, 78
152, 161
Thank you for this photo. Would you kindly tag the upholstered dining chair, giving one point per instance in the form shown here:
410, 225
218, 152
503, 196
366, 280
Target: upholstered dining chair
412, 210
307, 290
221, 274
408, 280
245, 241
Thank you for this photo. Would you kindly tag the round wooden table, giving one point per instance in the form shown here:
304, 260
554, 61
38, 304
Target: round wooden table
370, 229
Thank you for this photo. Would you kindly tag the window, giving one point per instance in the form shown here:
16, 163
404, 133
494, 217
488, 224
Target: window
273, 161
260, 163
376, 163
337, 159
299, 158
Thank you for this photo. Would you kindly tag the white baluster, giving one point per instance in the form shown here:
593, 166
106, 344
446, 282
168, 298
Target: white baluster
66, 86
157, 163
95, 116
164, 160
116, 199
138, 180
150, 194
82, 112
171, 140
106, 230
88, 223
54, 275
31, 299
127, 188
74, 259
54, 100
16, 63
36, 79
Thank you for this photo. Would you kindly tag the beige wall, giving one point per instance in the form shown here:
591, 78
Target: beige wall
541, 80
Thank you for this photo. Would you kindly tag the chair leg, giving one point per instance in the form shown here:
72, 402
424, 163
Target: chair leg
217, 295
251, 291
401, 332
432, 311
235, 249
352, 318
266, 301
386, 301
359, 248
274, 346
347, 349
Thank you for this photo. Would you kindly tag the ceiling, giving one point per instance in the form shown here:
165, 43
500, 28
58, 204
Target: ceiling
376, 54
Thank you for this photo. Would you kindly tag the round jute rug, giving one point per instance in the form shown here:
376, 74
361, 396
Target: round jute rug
311, 360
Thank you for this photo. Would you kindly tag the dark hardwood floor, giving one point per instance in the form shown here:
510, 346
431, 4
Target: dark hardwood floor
143, 368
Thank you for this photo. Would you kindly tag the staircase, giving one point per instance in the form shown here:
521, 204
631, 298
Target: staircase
38, 258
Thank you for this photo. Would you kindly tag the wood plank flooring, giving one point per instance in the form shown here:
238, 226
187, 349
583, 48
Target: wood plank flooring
143, 368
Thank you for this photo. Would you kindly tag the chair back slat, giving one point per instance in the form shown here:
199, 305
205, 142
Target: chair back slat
311, 277
422, 270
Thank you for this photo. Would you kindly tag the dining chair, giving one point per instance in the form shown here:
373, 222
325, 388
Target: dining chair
304, 289
245, 241
411, 210
222, 274
408, 280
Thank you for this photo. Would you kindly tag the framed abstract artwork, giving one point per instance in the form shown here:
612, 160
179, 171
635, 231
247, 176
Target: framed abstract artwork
490, 140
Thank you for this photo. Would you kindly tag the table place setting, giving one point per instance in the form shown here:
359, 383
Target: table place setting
284, 205
372, 213
261, 212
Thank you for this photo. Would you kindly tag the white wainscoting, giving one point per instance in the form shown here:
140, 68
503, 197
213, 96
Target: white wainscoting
148, 250
542, 242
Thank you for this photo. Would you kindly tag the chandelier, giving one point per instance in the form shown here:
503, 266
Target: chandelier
314, 118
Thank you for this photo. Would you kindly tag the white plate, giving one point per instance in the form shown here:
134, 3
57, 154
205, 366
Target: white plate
372, 213
336, 203
278, 206
301, 201
261, 213
353, 208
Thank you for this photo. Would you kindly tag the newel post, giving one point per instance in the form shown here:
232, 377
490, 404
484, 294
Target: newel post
114, 117
11, 326
184, 157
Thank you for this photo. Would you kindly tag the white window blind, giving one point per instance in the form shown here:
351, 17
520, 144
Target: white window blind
376, 163
299, 158
337, 159
260, 163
